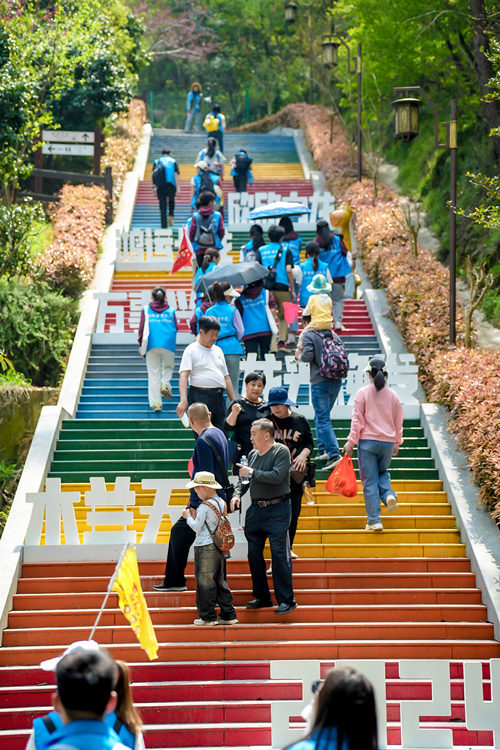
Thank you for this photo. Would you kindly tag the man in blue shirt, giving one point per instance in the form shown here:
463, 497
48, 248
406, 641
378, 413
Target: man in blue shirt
164, 170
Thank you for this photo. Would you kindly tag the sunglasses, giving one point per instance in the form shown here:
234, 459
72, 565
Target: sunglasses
315, 686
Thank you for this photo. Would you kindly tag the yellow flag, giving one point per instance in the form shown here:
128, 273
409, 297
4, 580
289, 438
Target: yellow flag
127, 584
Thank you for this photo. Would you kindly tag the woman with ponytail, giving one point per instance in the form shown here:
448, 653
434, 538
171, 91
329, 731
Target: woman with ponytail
377, 430
157, 342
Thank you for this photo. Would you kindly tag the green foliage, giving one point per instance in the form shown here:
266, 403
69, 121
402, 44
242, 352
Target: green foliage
491, 307
36, 326
19, 224
7, 470
13, 377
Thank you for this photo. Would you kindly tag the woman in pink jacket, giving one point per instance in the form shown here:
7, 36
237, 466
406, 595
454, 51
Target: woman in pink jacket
377, 430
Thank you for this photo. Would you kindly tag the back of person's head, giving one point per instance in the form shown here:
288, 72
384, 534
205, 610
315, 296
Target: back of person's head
275, 233
286, 223
256, 231
216, 109
218, 290
198, 413
378, 372
125, 709
321, 224
211, 146
346, 703
85, 680
208, 323
165, 150
159, 294
206, 198
255, 375
312, 251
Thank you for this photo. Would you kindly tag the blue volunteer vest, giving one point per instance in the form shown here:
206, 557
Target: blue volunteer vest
197, 181
294, 246
216, 219
268, 254
43, 733
337, 263
162, 330
228, 340
308, 273
254, 315
168, 164
197, 101
198, 275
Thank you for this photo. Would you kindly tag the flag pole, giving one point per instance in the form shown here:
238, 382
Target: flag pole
110, 587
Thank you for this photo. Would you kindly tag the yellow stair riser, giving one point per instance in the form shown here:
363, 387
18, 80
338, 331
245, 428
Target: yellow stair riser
262, 171
404, 509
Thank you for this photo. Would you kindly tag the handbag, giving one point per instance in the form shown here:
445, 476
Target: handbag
309, 475
270, 280
227, 486
342, 480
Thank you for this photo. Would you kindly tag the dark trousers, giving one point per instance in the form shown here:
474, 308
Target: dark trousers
182, 538
260, 345
168, 192
296, 492
240, 182
213, 398
219, 136
271, 523
211, 584
199, 257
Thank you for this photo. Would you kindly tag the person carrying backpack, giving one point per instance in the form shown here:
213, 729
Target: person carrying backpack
328, 364
163, 177
205, 181
206, 228
215, 124
240, 170
213, 157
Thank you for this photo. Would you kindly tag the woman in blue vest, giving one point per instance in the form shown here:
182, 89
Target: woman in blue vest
280, 256
193, 108
311, 266
231, 330
255, 242
205, 181
333, 252
210, 260
213, 157
291, 238
258, 321
157, 340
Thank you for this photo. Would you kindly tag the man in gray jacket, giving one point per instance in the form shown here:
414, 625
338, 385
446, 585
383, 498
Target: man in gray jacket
268, 516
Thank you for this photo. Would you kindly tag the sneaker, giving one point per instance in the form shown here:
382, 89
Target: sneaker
283, 348
166, 390
161, 587
340, 327
232, 621
332, 463
199, 621
392, 503
270, 569
170, 221
157, 407
293, 555
374, 527
322, 456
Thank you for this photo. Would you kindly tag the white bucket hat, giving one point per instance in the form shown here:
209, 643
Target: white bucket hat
48, 665
204, 479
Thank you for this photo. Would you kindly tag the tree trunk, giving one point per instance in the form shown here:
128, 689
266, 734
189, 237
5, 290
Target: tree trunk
484, 68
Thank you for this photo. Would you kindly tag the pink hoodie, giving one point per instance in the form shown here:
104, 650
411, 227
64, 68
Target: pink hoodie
377, 415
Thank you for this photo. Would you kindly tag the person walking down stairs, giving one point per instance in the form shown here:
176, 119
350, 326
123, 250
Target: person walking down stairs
157, 341
377, 429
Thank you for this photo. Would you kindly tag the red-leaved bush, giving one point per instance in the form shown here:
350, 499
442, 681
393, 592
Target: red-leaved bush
467, 381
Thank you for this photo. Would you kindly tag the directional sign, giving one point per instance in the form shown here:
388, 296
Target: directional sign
69, 149
68, 136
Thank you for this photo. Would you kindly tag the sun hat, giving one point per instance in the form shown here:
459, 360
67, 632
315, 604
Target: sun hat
376, 363
49, 665
204, 479
202, 164
231, 292
319, 284
278, 396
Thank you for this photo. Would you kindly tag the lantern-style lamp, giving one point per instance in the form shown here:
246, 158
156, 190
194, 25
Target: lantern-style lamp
406, 125
290, 11
330, 51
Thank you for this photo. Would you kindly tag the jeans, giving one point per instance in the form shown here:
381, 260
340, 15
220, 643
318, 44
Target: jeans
233, 368
160, 366
182, 538
323, 396
214, 399
260, 345
271, 523
374, 457
211, 584
189, 120
164, 194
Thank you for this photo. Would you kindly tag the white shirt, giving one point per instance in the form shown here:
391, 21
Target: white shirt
207, 365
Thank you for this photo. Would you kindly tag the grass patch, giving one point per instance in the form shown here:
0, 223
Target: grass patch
43, 237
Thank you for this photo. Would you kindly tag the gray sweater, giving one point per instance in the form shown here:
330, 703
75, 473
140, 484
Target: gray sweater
311, 352
271, 474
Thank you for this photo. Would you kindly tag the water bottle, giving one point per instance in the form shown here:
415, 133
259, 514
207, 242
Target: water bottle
185, 419
244, 462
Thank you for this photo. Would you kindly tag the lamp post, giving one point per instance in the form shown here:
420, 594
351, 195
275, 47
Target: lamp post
291, 8
331, 43
407, 121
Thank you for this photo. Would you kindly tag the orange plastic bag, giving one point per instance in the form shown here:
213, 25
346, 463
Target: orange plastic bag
342, 480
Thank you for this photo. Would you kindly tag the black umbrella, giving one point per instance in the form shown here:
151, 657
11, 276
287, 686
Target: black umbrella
237, 274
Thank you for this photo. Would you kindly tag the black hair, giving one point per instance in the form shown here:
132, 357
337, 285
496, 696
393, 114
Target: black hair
286, 223
257, 235
378, 376
345, 711
159, 294
322, 224
312, 250
165, 150
211, 146
255, 375
206, 198
208, 323
275, 233
256, 229
216, 109
85, 680
219, 289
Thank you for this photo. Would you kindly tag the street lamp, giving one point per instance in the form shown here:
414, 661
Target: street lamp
290, 11
291, 8
407, 116
331, 43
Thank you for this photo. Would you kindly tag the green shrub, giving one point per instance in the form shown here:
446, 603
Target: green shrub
36, 326
491, 307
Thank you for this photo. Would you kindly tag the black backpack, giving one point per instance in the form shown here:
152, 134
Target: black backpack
206, 183
205, 231
158, 175
242, 162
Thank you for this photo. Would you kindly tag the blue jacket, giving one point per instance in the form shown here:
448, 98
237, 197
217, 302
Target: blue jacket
268, 254
227, 340
193, 98
197, 181
86, 734
216, 219
43, 733
162, 329
168, 164
336, 261
308, 274
254, 315
204, 460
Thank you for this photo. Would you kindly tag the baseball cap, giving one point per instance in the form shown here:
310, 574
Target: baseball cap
49, 665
